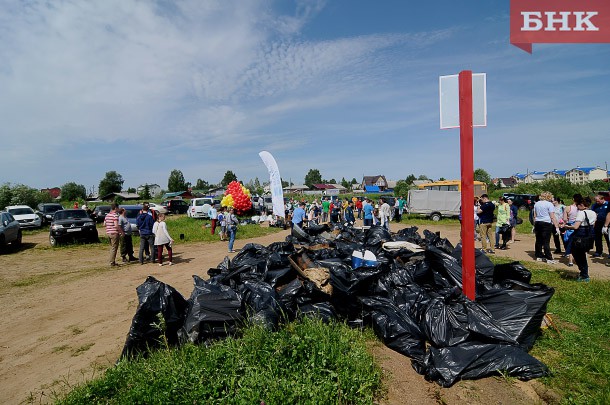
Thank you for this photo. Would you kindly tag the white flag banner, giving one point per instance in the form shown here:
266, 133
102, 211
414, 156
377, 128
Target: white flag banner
277, 194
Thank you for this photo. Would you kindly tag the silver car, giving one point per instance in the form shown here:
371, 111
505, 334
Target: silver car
10, 232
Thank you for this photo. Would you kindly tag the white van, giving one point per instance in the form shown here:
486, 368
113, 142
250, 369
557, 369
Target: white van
199, 207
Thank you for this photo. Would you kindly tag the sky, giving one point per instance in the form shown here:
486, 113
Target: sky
348, 87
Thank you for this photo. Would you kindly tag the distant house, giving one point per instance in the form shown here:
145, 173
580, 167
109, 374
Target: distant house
556, 174
391, 185
504, 182
296, 188
153, 189
327, 189
582, 175
124, 196
374, 184
178, 194
519, 177
54, 192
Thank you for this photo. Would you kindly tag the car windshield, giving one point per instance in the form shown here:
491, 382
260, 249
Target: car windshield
21, 211
132, 213
70, 214
53, 208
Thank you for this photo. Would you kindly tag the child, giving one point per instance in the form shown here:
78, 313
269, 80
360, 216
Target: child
222, 222
162, 238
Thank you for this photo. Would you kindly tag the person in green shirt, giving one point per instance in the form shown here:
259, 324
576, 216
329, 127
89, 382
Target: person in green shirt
325, 209
503, 219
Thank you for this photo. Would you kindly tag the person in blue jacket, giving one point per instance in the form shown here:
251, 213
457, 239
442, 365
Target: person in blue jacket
145, 223
601, 209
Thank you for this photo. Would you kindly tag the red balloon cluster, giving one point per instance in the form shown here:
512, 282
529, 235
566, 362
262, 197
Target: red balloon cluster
240, 197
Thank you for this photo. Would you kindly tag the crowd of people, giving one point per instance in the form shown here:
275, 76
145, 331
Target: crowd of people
578, 228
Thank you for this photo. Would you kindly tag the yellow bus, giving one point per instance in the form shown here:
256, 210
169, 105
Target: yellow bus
453, 185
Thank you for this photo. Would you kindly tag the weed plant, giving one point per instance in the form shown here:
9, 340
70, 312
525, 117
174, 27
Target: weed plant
578, 352
304, 362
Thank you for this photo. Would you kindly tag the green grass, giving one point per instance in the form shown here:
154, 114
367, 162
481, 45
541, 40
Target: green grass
305, 362
578, 354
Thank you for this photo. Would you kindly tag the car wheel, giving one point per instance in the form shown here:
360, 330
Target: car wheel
436, 217
19, 239
53, 241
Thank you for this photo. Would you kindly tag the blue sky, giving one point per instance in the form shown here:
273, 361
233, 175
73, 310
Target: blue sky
347, 87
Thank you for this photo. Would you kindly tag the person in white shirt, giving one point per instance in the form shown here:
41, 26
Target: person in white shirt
583, 226
544, 224
385, 212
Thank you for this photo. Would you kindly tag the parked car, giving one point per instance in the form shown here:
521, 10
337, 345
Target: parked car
198, 207
158, 208
132, 212
176, 206
72, 224
522, 201
10, 231
46, 211
25, 215
99, 213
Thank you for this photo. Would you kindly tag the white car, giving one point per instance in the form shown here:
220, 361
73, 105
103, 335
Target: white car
26, 216
158, 207
199, 207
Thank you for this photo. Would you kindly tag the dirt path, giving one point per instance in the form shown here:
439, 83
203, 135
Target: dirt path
66, 316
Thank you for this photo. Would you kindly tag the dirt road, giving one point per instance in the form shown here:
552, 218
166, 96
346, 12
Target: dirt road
66, 316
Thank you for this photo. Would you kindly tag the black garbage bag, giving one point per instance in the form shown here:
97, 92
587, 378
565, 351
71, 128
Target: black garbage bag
511, 271
214, 313
315, 229
351, 282
321, 310
155, 299
278, 255
434, 239
457, 321
446, 269
280, 276
518, 308
374, 238
409, 235
298, 293
300, 235
470, 360
394, 327
484, 266
261, 304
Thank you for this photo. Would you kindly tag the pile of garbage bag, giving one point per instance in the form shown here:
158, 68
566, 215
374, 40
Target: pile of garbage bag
406, 287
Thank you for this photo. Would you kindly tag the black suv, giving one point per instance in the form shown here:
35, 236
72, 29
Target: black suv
99, 213
176, 206
46, 210
71, 225
522, 201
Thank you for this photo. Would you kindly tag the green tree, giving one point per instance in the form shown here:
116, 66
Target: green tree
176, 182
441, 179
410, 179
401, 189
332, 181
228, 177
6, 194
312, 177
482, 175
423, 177
131, 190
202, 185
145, 194
345, 183
354, 181
73, 192
111, 183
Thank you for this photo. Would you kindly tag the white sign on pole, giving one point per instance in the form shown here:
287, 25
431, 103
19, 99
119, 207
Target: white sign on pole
449, 94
